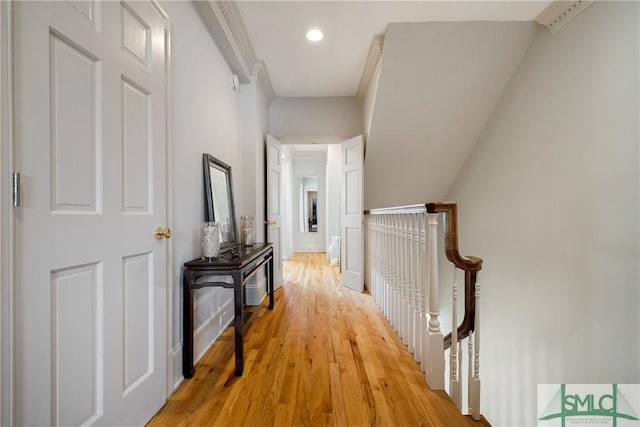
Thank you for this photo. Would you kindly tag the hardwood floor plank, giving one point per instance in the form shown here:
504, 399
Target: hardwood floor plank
324, 356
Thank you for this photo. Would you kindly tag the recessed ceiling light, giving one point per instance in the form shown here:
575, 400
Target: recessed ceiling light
314, 35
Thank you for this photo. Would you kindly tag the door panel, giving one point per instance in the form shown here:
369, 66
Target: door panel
74, 141
138, 319
137, 147
76, 315
351, 217
90, 276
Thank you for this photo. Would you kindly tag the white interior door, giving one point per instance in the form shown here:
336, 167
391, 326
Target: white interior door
351, 213
274, 205
90, 274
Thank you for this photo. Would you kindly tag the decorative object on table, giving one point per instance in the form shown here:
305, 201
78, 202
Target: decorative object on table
248, 230
219, 204
210, 240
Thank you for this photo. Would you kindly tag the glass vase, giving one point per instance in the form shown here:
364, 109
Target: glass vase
210, 240
248, 230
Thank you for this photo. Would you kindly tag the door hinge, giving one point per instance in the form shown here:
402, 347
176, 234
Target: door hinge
15, 184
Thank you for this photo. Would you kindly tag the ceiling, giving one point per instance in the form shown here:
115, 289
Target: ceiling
334, 66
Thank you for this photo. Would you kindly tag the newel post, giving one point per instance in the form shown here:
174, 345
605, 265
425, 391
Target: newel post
434, 372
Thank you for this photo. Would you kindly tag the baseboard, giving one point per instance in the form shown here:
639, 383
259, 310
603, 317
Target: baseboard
176, 356
310, 247
204, 337
209, 331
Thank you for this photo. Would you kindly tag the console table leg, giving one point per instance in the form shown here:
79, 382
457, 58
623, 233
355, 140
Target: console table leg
238, 323
270, 282
187, 326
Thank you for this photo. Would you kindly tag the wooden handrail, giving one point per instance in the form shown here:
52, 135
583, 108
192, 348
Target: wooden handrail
470, 265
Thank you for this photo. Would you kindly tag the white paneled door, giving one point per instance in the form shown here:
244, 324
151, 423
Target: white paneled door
351, 214
274, 205
90, 275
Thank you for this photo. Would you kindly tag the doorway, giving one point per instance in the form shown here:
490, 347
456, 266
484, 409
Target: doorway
308, 197
339, 204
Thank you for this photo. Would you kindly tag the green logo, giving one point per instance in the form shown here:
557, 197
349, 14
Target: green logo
587, 405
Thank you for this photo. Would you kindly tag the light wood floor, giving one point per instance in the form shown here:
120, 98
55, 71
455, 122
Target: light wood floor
324, 356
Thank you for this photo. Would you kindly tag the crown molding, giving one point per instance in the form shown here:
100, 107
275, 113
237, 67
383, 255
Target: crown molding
558, 13
225, 25
375, 53
261, 77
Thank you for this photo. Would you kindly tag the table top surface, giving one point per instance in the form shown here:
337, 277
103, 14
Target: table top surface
246, 254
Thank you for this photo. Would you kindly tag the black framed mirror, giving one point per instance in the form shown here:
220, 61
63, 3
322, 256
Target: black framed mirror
218, 196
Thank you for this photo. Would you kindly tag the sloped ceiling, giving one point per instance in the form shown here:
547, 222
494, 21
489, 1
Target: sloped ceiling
334, 67
439, 84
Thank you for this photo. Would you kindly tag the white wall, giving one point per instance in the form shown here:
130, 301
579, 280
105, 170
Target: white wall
287, 203
253, 112
309, 166
207, 118
549, 197
439, 84
315, 117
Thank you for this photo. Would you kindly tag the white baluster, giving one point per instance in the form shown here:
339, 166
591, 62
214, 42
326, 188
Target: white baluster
460, 357
417, 309
475, 407
399, 270
454, 382
425, 292
392, 279
385, 273
410, 282
380, 246
405, 280
387, 266
409, 278
470, 372
378, 252
379, 255
374, 258
396, 271
381, 263
435, 356
367, 255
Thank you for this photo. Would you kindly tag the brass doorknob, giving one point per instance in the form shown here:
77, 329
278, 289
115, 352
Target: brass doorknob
163, 233
270, 223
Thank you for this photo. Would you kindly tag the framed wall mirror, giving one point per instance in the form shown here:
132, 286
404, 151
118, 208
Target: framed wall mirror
218, 196
308, 204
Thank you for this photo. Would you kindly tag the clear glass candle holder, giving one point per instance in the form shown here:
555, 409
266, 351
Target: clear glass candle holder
210, 240
248, 230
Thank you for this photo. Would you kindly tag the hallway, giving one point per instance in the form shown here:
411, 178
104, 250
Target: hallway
324, 356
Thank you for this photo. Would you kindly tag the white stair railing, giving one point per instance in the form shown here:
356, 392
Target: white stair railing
402, 276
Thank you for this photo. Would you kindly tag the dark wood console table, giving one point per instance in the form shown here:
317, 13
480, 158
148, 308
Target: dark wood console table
201, 273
